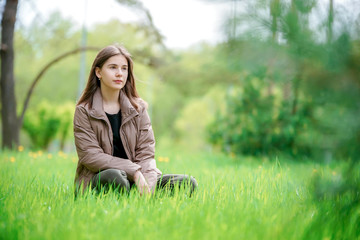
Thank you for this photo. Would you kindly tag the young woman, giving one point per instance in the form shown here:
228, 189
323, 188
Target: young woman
113, 134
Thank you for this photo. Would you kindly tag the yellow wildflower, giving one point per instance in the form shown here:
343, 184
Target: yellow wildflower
62, 154
49, 156
163, 159
12, 159
33, 155
20, 148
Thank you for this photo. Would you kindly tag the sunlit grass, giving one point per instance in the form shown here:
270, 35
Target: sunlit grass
244, 198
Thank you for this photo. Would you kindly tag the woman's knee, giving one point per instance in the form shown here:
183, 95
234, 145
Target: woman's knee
193, 183
115, 177
112, 174
171, 180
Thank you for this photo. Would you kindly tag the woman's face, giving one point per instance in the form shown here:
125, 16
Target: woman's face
113, 74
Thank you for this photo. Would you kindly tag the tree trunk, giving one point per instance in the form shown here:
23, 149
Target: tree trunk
296, 88
330, 22
275, 9
10, 129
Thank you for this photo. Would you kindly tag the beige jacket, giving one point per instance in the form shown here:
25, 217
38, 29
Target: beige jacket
94, 141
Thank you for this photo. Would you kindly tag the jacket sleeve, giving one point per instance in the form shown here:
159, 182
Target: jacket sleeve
145, 149
90, 154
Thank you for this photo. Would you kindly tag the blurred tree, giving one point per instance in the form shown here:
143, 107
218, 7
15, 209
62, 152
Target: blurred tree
10, 127
255, 122
150, 27
275, 13
330, 23
289, 45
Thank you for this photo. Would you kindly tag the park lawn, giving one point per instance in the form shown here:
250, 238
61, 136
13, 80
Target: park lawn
237, 198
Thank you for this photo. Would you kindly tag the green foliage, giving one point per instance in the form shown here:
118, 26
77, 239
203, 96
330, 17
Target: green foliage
39, 43
280, 43
185, 82
164, 111
46, 121
191, 124
276, 41
340, 192
258, 122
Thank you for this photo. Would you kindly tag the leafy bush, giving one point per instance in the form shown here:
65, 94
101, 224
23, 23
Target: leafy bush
257, 122
43, 123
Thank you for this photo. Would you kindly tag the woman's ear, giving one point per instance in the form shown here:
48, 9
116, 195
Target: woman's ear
97, 72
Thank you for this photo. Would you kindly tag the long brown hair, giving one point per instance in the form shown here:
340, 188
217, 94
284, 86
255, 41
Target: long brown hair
93, 83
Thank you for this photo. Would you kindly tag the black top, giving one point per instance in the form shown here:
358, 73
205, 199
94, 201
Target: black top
115, 122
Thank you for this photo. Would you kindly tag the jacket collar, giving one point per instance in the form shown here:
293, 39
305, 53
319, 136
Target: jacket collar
126, 107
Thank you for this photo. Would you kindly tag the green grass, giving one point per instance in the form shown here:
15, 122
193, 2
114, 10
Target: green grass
242, 198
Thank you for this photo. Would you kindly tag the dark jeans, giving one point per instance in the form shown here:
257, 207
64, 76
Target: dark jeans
117, 180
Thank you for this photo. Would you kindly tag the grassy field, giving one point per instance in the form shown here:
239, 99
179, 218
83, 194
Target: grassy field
237, 198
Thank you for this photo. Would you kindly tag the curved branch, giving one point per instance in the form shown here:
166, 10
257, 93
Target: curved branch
41, 73
139, 6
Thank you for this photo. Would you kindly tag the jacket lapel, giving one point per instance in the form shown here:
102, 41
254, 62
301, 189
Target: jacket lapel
127, 109
97, 110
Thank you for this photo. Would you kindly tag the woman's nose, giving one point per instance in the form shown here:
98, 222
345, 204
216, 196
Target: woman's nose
119, 72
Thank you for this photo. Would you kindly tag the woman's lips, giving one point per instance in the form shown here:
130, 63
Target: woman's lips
118, 81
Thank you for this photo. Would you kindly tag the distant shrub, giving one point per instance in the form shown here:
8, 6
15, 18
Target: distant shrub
43, 123
256, 122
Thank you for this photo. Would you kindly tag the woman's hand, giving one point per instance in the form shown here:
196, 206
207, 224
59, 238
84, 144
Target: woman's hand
141, 183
